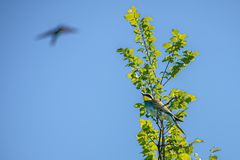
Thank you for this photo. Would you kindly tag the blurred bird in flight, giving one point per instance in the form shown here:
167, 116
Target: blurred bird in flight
56, 32
155, 106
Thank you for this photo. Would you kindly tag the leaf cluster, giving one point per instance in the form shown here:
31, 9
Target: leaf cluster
166, 142
146, 138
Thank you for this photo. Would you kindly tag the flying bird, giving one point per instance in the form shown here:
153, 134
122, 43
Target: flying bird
56, 32
153, 106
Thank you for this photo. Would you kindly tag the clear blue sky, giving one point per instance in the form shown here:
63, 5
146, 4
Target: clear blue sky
73, 101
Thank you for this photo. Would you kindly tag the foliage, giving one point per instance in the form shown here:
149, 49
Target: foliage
166, 142
213, 156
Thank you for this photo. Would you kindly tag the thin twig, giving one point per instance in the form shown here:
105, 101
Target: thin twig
164, 72
144, 43
153, 141
167, 80
167, 130
169, 101
147, 51
159, 140
163, 140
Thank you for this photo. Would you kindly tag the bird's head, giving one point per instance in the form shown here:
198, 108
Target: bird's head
147, 97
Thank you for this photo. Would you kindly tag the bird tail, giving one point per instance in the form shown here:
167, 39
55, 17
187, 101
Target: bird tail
174, 117
177, 119
174, 120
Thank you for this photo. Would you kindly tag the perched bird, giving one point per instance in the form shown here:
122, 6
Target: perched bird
56, 32
153, 106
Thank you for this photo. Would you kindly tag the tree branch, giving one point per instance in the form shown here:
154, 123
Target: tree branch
159, 141
169, 101
163, 140
167, 80
145, 44
152, 140
164, 72
147, 52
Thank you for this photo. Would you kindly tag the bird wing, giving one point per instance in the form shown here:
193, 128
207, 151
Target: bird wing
161, 106
158, 104
46, 34
67, 29
178, 126
53, 40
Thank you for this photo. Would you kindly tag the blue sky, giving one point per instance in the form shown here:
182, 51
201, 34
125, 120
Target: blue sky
74, 101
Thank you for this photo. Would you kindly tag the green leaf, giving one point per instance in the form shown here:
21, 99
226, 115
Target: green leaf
196, 156
152, 39
154, 147
140, 50
174, 39
195, 53
175, 32
157, 53
183, 36
213, 158
120, 50
167, 45
148, 18
129, 75
184, 156
131, 51
129, 17
142, 111
151, 27
138, 105
139, 61
215, 149
198, 140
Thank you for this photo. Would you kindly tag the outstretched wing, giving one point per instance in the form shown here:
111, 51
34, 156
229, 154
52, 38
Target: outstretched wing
46, 34
53, 40
67, 29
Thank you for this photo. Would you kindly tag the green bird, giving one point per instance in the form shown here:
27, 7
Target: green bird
153, 106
